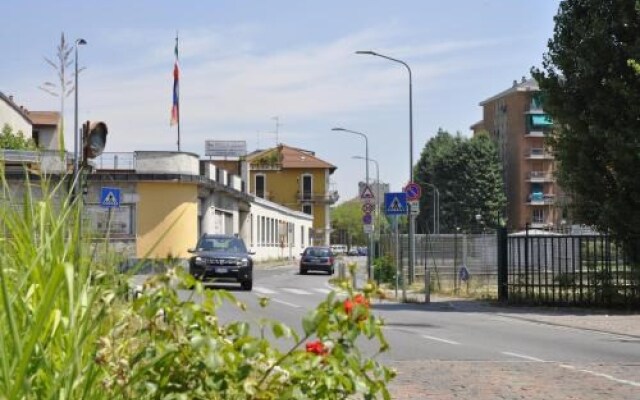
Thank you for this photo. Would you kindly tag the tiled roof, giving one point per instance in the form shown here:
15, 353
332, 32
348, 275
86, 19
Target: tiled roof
291, 157
49, 118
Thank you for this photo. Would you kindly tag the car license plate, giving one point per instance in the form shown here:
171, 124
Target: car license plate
222, 270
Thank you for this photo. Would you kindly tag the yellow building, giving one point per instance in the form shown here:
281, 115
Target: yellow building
297, 179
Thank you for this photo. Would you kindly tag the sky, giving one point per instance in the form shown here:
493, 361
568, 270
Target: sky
242, 63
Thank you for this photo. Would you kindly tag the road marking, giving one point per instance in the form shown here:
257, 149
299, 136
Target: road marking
437, 339
286, 303
263, 290
523, 356
296, 291
323, 290
611, 378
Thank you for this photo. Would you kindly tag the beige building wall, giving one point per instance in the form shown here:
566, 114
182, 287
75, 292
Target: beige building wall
167, 219
11, 117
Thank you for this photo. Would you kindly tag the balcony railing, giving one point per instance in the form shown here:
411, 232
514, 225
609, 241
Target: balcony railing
44, 160
329, 197
539, 176
116, 162
540, 199
538, 153
266, 167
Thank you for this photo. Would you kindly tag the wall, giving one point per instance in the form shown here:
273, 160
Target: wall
166, 208
167, 162
8, 115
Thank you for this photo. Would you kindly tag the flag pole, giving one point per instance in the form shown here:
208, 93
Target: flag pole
177, 58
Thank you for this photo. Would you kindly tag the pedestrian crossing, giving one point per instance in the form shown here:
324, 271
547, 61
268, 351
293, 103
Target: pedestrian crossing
268, 291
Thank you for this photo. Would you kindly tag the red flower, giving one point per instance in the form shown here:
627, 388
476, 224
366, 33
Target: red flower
348, 306
360, 299
317, 348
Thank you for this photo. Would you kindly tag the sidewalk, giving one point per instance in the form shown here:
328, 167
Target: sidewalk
608, 321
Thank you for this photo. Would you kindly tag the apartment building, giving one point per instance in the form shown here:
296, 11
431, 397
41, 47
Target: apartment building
297, 179
516, 120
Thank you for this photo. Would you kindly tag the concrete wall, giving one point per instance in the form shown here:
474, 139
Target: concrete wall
167, 219
17, 122
167, 162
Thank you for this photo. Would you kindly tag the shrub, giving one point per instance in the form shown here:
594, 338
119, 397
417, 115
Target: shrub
384, 270
69, 330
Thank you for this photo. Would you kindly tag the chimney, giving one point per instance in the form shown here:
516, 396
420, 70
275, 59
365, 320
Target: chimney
524, 79
11, 98
515, 83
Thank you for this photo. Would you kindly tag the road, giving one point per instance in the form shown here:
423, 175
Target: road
465, 350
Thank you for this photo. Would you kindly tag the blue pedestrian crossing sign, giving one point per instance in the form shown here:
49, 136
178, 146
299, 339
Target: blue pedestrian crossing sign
395, 203
110, 197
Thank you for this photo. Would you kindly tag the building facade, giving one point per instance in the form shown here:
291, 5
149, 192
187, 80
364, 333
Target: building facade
515, 119
296, 179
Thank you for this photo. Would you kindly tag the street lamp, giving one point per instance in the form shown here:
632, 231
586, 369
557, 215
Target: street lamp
436, 204
411, 218
76, 132
366, 148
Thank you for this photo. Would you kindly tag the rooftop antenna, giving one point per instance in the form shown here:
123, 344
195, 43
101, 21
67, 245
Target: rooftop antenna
278, 125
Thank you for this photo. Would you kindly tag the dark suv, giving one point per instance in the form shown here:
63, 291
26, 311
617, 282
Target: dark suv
222, 258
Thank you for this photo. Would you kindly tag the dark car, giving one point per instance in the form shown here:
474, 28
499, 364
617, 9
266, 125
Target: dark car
222, 258
316, 259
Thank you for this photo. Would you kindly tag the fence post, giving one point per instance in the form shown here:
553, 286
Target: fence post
503, 273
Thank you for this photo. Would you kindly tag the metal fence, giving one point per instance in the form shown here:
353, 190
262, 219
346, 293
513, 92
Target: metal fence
445, 256
570, 270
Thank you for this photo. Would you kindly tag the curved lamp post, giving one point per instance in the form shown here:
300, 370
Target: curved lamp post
366, 143
411, 217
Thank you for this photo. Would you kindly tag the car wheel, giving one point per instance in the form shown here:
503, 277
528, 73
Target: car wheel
303, 271
246, 285
331, 271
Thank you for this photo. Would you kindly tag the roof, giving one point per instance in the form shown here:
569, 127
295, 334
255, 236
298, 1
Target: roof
526, 85
292, 157
20, 110
477, 125
47, 118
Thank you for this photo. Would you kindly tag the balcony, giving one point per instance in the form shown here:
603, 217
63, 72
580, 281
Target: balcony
540, 199
48, 161
266, 167
538, 153
539, 177
330, 197
535, 133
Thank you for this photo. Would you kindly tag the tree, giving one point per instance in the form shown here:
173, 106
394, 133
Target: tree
468, 175
592, 90
17, 141
346, 222
65, 85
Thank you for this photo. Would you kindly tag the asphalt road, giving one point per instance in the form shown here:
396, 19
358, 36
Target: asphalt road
449, 349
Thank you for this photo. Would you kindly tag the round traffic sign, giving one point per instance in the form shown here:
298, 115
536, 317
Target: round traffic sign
368, 208
367, 219
413, 191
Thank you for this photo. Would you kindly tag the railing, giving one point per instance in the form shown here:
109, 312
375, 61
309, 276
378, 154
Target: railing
537, 152
116, 162
588, 270
45, 160
539, 176
538, 198
329, 197
266, 167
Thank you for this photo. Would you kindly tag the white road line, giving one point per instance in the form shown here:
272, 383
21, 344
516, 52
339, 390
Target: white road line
611, 378
296, 291
437, 339
322, 290
263, 290
523, 356
286, 303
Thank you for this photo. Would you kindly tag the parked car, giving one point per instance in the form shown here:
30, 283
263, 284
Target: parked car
317, 259
339, 249
353, 251
222, 258
362, 251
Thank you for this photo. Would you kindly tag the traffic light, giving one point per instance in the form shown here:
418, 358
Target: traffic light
94, 140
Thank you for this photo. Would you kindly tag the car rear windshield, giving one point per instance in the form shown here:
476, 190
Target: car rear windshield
227, 245
318, 252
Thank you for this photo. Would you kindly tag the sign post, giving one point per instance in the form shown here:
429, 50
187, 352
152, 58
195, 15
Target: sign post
368, 199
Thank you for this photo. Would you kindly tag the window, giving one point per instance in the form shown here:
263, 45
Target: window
302, 236
537, 216
307, 187
263, 231
260, 186
251, 234
307, 209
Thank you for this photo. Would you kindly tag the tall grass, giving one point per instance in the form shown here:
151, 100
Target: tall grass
52, 306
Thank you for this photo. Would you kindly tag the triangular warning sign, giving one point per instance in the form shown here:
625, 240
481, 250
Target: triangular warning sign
395, 205
110, 200
367, 193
